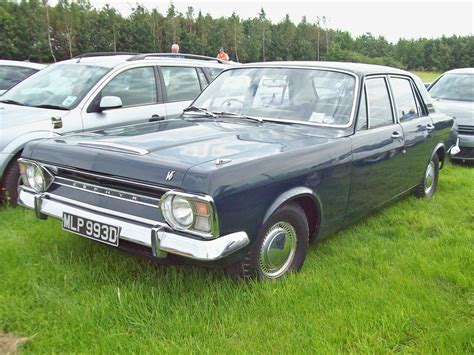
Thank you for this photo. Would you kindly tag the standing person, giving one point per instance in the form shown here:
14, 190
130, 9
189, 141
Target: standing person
174, 48
222, 55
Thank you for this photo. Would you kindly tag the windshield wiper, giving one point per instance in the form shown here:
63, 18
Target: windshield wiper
199, 109
12, 102
53, 107
238, 115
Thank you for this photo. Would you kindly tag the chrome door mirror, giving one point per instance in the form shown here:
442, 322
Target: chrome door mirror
110, 102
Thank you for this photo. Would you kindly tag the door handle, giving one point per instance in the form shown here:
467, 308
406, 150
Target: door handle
155, 118
430, 126
396, 135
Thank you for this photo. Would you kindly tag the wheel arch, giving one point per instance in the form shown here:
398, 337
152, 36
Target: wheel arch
308, 201
440, 151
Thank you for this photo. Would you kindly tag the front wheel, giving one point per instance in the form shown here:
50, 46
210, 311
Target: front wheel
280, 247
429, 183
10, 181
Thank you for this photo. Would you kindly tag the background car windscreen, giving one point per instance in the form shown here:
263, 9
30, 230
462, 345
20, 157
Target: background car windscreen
60, 85
12, 75
306, 95
454, 87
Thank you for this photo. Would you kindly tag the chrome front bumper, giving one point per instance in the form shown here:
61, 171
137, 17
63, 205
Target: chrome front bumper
135, 229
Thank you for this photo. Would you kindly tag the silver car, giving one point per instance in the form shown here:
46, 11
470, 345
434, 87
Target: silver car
453, 94
12, 72
95, 91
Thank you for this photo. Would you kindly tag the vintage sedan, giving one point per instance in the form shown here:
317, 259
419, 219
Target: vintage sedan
268, 158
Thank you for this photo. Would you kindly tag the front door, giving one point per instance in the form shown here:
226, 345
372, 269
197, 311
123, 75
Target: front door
141, 100
377, 149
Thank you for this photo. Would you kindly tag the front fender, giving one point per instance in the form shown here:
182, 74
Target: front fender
19, 142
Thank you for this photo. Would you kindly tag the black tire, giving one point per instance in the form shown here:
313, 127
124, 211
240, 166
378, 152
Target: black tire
287, 221
10, 180
429, 182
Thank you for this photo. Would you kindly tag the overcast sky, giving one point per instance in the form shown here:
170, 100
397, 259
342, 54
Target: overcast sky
392, 19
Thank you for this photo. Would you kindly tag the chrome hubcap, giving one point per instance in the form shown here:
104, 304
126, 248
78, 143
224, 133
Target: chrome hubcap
278, 249
429, 177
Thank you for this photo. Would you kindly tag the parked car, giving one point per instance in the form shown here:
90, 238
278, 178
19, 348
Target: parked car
269, 157
95, 91
12, 72
453, 94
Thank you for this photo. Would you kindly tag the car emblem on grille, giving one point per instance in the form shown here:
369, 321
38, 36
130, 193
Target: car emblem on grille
170, 175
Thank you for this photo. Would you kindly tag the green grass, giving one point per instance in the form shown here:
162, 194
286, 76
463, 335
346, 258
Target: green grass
427, 76
401, 280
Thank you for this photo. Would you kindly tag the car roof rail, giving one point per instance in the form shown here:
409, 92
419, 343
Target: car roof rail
175, 55
102, 54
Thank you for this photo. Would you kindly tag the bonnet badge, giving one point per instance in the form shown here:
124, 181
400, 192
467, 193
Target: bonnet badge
170, 175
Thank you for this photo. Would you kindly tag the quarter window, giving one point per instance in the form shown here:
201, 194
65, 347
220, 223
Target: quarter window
404, 99
380, 108
182, 83
134, 87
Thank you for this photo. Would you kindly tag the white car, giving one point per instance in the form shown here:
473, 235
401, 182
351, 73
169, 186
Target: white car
94, 91
12, 72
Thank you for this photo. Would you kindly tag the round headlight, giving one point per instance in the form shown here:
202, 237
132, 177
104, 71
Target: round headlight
35, 177
182, 211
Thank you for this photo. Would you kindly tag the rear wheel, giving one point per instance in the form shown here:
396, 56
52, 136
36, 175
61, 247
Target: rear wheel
429, 183
280, 247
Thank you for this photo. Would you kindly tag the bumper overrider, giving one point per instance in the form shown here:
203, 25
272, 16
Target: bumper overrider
158, 236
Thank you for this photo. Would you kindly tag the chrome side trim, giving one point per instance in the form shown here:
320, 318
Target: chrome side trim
115, 147
152, 234
108, 192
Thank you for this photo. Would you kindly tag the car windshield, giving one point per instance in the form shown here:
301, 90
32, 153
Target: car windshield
11, 75
60, 85
458, 87
289, 94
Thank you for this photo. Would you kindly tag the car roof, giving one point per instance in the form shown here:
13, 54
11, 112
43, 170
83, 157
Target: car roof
356, 68
117, 61
25, 64
461, 71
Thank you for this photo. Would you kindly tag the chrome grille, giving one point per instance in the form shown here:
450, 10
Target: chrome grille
464, 129
110, 186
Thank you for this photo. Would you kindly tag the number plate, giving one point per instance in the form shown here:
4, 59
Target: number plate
98, 231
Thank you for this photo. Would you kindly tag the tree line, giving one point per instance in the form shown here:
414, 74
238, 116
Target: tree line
33, 30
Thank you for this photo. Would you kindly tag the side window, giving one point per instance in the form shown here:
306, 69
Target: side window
10, 76
134, 87
362, 117
380, 108
182, 83
214, 72
202, 78
407, 107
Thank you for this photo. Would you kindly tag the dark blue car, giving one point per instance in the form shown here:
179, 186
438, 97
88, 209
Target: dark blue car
268, 158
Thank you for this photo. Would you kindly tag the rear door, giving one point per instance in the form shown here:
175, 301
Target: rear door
181, 85
417, 126
377, 147
141, 97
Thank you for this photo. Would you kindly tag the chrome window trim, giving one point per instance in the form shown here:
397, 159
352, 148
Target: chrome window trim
390, 96
354, 101
58, 179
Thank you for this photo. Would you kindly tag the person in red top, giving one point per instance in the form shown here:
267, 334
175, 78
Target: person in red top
222, 55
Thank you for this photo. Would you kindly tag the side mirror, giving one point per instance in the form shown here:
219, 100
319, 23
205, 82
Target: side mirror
110, 102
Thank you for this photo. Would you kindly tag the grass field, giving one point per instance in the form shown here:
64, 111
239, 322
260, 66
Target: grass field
401, 280
427, 76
